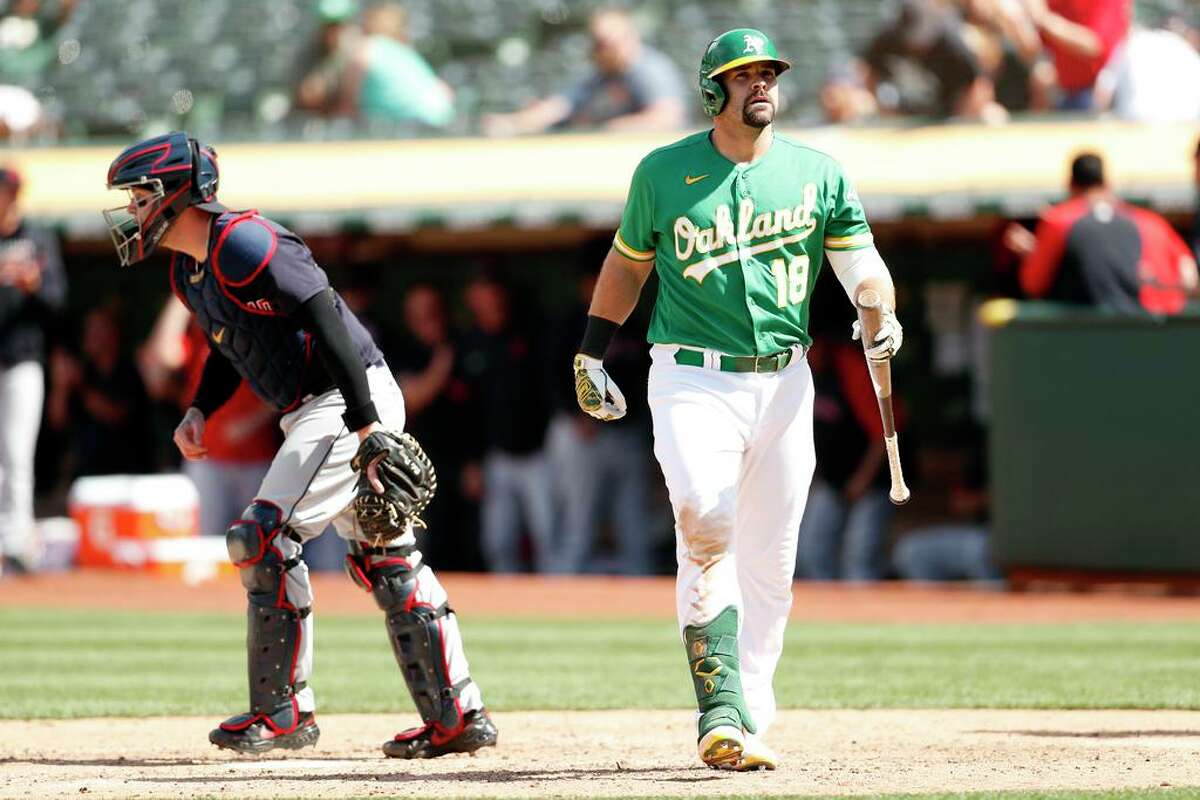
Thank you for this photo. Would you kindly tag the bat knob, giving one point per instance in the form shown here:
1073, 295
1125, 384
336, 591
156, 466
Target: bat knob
899, 495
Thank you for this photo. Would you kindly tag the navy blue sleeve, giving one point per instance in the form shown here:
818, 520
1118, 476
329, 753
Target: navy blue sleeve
266, 268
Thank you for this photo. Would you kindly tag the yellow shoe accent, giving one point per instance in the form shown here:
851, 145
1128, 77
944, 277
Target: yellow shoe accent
721, 748
757, 755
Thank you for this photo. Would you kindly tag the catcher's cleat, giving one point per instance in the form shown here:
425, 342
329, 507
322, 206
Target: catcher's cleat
757, 755
722, 747
432, 740
256, 733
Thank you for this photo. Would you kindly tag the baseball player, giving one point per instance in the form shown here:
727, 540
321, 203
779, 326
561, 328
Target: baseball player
274, 321
736, 220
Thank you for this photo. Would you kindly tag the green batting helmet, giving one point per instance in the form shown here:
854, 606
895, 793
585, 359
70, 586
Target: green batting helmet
728, 51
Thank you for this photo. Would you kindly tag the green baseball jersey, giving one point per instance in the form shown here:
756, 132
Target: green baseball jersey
737, 247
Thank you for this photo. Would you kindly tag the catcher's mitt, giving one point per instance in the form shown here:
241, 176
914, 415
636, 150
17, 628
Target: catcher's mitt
409, 483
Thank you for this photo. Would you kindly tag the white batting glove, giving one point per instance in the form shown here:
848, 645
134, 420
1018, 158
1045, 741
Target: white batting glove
887, 342
597, 394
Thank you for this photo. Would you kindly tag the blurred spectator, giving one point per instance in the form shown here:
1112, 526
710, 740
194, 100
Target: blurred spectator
21, 115
1006, 43
32, 289
960, 549
435, 400
633, 88
388, 80
601, 469
920, 63
27, 45
844, 530
503, 364
373, 73
1095, 250
1080, 37
845, 96
97, 397
1155, 77
27, 49
241, 436
322, 90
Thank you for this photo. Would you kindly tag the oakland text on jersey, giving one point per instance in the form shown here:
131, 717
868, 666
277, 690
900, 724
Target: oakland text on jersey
691, 239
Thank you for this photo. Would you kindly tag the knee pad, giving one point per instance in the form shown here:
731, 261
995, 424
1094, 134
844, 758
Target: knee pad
414, 629
274, 623
253, 549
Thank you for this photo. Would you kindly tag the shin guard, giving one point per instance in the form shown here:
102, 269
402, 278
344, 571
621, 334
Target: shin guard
712, 651
278, 625
419, 630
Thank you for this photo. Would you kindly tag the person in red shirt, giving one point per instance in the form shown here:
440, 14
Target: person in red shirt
241, 437
1080, 37
1095, 250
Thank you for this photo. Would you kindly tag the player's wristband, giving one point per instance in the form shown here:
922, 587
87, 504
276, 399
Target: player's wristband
360, 417
597, 336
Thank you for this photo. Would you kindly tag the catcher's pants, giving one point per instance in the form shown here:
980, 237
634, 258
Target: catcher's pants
312, 482
21, 393
736, 450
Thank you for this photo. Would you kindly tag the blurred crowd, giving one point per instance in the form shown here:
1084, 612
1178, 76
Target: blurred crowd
529, 483
366, 71
985, 60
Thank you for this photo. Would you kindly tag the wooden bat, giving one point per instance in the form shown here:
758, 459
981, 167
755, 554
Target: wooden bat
870, 318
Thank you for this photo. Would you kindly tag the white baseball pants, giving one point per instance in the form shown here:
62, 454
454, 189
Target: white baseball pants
21, 395
736, 450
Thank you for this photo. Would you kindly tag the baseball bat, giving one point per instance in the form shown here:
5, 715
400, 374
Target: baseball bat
870, 317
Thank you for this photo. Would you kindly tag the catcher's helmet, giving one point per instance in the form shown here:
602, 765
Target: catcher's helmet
178, 172
728, 51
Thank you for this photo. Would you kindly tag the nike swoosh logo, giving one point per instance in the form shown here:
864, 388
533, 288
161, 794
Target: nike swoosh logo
219, 335
690, 179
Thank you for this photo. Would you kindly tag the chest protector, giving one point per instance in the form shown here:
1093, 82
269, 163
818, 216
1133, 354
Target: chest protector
233, 303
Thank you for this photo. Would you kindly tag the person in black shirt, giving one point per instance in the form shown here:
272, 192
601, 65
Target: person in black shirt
505, 367
437, 401
601, 470
100, 401
32, 290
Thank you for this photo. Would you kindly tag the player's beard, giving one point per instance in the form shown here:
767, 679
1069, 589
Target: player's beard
759, 116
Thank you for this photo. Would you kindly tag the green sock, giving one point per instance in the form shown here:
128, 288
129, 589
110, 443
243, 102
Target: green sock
712, 652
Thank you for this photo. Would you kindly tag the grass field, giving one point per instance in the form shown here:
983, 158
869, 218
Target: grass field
82, 664
189, 668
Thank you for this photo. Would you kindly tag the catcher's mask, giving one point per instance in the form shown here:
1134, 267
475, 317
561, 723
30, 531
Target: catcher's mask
729, 51
171, 172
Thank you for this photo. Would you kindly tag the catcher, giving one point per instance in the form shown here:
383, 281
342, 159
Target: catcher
273, 320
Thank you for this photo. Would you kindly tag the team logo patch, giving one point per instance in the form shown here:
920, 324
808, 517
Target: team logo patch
262, 304
754, 44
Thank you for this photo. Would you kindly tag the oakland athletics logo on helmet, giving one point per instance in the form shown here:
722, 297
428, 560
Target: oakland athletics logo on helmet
728, 51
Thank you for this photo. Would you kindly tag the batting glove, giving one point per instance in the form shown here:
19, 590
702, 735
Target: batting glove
597, 394
887, 342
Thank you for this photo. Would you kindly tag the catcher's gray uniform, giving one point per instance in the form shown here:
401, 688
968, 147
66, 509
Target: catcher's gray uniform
317, 444
274, 321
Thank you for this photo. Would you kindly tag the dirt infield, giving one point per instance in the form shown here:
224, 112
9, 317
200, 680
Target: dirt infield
618, 754
508, 596
615, 753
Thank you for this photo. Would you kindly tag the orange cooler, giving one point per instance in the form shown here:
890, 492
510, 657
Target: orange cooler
122, 518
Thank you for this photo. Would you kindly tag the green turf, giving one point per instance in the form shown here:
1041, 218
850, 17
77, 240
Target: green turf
74, 664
